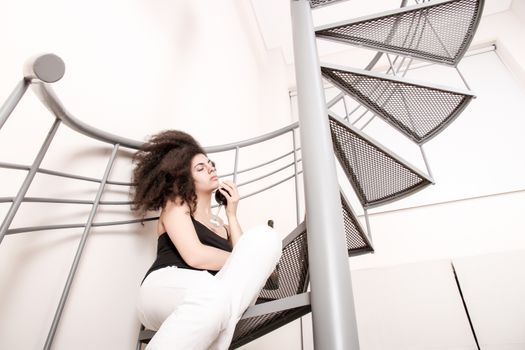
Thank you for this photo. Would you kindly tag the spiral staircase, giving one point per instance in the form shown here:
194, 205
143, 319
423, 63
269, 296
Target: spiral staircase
438, 31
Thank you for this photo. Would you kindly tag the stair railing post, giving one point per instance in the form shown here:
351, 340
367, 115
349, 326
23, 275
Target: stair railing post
80, 251
13, 99
17, 201
333, 313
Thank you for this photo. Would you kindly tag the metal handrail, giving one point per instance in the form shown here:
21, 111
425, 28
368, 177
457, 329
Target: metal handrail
62, 201
61, 174
48, 97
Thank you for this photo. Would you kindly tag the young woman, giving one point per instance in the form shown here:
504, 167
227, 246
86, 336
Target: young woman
206, 273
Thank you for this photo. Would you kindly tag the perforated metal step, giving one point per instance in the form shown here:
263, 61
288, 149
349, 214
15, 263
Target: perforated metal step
321, 3
420, 111
376, 173
357, 241
293, 278
251, 328
437, 31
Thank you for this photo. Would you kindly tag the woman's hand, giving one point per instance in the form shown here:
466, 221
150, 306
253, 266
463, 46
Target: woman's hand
232, 199
230, 191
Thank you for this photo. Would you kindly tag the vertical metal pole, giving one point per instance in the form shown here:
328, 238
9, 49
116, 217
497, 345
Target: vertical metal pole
236, 164
11, 102
368, 230
426, 160
361, 116
296, 173
29, 178
462, 78
353, 110
408, 67
80, 250
139, 344
346, 109
391, 65
368, 122
333, 313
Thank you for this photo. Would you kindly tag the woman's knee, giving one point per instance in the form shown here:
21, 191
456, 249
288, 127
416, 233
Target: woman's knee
266, 239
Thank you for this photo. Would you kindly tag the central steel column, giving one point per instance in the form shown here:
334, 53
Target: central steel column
333, 313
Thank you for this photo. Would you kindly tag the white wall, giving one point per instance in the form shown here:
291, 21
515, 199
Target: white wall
493, 286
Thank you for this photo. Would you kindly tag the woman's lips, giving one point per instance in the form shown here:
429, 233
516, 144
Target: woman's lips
213, 178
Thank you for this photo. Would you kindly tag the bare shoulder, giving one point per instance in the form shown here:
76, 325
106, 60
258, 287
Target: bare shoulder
176, 206
174, 211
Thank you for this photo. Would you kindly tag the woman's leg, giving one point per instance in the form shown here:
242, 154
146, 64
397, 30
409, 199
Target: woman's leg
195, 310
253, 259
189, 308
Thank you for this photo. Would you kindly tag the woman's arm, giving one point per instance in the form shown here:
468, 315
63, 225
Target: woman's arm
229, 190
177, 222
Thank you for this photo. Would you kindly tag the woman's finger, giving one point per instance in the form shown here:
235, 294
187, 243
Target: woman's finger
229, 186
232, 194
224, 192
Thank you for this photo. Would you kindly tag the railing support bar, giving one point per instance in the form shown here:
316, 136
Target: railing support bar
27, 182
80, 250
333, 312
426, 161
236, 164
392, 68
361, 116
297, 213
368, 229
368, 121
463, 78
13, 99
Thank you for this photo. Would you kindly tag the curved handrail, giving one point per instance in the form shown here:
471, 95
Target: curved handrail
49, 98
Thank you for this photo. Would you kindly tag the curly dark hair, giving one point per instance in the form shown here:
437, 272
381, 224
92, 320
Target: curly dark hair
163, 171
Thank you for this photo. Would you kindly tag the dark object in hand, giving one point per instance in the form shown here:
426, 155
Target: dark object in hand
220, 198
272, 283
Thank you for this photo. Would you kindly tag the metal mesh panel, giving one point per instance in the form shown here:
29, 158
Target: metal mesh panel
291, 274
320, 3
356, 239
376, 176
419, 112
438, 32
255, 327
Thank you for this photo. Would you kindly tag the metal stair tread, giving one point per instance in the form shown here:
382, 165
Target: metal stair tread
321, 3
370, 167
418, 110
437, 31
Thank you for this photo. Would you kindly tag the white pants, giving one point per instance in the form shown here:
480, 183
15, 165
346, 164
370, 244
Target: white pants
196, 310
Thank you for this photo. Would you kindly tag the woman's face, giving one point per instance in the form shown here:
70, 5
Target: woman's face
204, 174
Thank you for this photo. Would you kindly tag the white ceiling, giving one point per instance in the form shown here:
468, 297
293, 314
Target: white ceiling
274, 20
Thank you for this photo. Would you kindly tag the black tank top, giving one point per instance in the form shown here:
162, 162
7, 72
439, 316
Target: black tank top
168, 255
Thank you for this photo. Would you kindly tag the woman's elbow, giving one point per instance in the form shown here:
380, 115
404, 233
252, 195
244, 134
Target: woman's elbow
194, 260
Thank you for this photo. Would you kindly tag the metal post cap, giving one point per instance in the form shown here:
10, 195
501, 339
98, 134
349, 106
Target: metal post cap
48, 68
